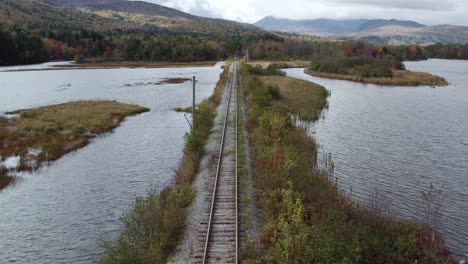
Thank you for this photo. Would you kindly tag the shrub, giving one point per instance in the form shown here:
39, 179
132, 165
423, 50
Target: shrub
305, 219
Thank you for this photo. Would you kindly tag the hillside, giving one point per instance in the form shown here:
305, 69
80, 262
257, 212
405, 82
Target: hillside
147, 14
399, 35
379, 23
40, 14
381, 31
330, 27
110, 15
34, 31
74, 3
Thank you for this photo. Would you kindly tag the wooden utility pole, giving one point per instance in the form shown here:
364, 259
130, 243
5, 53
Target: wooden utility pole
193, 105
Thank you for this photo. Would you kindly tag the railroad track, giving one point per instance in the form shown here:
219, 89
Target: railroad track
218, 236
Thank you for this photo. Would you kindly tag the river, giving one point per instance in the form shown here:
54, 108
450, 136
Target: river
61, 213
400, 140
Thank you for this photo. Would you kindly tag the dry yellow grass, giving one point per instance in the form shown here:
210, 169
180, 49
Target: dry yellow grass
400, 78
52, 131
306, 99
284, 64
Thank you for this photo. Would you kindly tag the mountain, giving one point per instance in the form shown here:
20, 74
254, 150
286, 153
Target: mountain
381, 31
41, 14
110, 15
140, 8
379, 23
330, 27
320, 27
400, 35
147, 14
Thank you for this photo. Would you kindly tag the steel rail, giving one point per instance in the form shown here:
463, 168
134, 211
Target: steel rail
218, 169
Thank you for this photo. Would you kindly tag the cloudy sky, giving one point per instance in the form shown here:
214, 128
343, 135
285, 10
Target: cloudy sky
431, 12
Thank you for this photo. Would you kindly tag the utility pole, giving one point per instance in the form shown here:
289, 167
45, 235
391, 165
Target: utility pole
193, 105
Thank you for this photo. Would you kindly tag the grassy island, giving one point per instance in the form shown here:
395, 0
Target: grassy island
383, 69
399, 78
47, 133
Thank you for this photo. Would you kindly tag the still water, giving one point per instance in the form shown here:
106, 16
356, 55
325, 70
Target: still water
400, 140
60, 213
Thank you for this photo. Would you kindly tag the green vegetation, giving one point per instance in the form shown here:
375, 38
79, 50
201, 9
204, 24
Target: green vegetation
299, 97
153, 228
33, 31
364, 63
304, 217
47, 133
400, 78
360, 59
280, 64
361, 66
439, 51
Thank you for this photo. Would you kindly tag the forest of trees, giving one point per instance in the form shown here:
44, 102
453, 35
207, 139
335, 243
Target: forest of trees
21, 46
343, 57
18, 46
439, 51
358, 59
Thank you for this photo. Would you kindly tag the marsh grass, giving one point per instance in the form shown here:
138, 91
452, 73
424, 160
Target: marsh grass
400, 78
281, 64
154, 226
56, 130
302, 98
305, 218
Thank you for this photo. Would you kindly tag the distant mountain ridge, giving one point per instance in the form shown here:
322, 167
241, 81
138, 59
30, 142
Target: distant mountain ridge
381, 31
327, 27
378, 23
321, 27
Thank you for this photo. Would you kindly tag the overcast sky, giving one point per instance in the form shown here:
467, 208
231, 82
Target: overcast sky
431, 12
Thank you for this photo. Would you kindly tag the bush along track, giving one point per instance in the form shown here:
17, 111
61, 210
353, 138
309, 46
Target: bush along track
303, 216
152, 230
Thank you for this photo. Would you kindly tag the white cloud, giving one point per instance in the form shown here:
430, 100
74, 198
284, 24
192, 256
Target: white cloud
430, 12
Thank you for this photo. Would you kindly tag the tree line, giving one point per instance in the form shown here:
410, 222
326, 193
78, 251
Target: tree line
22, 46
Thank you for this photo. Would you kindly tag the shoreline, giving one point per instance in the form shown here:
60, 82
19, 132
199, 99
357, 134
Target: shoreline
135, 64
111, 65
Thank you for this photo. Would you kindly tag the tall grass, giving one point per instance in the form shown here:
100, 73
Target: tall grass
153, 228
304, 218
399, 78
